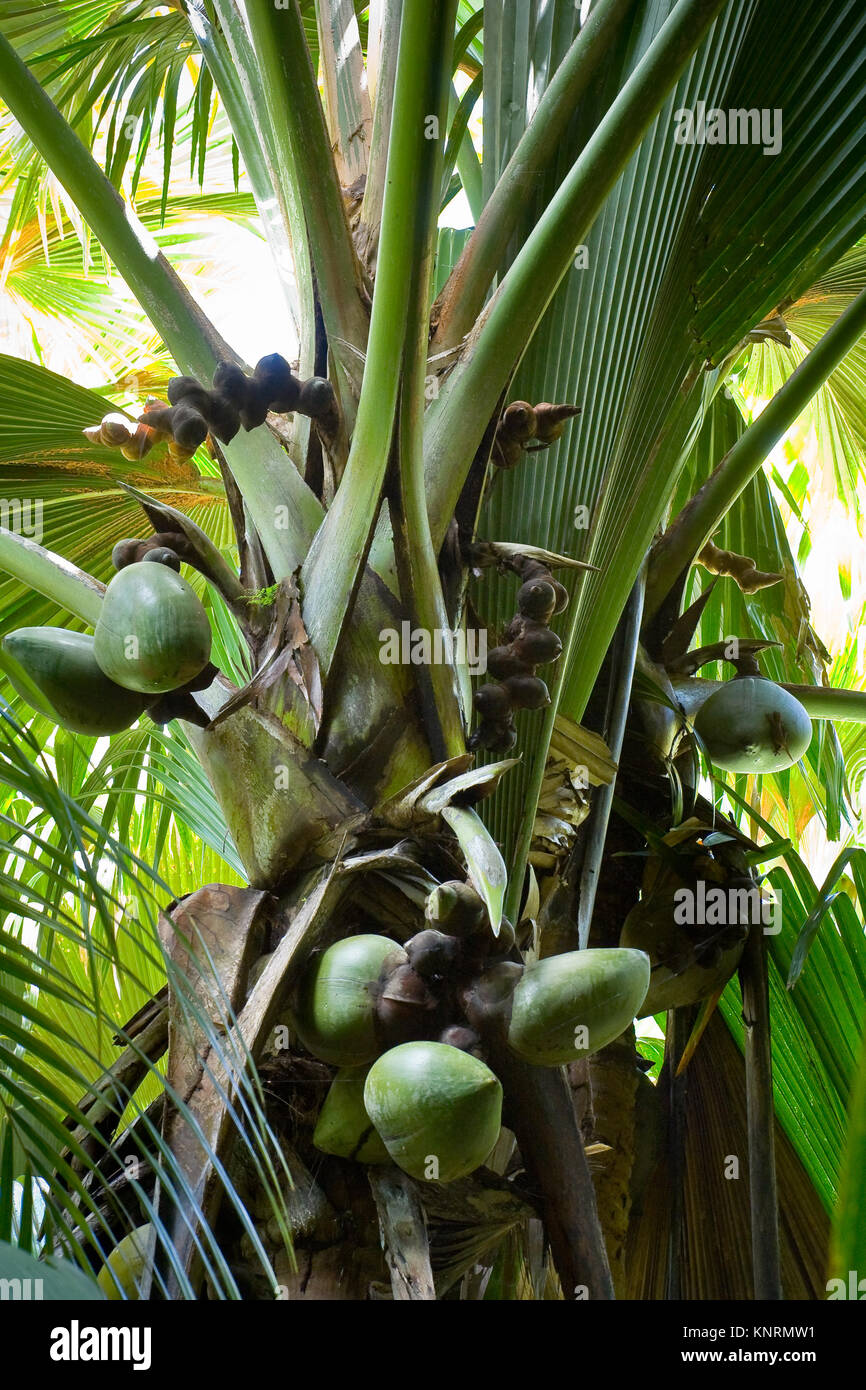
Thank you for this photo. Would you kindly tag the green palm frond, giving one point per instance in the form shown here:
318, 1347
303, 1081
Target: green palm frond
626, 341
79, 958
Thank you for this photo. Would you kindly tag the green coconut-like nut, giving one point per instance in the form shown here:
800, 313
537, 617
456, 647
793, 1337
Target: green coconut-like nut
753, 725
153, 634
57, 673
127, 1263
335, 1015
344, 1128
566, 1007
437, 1109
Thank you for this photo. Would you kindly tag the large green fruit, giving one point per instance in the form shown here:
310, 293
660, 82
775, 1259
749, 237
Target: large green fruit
336, 1011
127, 1262
153, 634
753, 725
57, 673
344, 1128
568, 1006
437, 1109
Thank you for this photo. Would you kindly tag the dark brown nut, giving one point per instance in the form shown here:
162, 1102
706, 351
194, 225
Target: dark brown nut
254, 411
456, 1035
561, 596
518, 421
491, 701
537, 599
405, 1007
527, 692
317, 398
125, 553
230, 381
274, 375
188, 426
159, 417
162, 555
224, 418
502, 662
495, 737
537, 644
488, 997
432, 953
186, 388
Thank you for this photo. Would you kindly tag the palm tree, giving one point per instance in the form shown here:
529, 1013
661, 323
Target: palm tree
560, 400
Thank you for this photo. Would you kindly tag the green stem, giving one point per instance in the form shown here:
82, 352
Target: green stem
458, 419
468, 166
699, 518
461, 299
370, 221
304, 153
625, 660
420, 585
468, 163
458, 121
334, 565
51, 575
823, 702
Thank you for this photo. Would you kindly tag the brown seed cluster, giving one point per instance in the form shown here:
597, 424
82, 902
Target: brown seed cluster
435, 989
521, 423
529, 642
235, 400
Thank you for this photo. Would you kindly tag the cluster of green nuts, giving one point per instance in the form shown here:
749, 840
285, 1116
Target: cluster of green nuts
410, 1026
528, 643
152, 641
